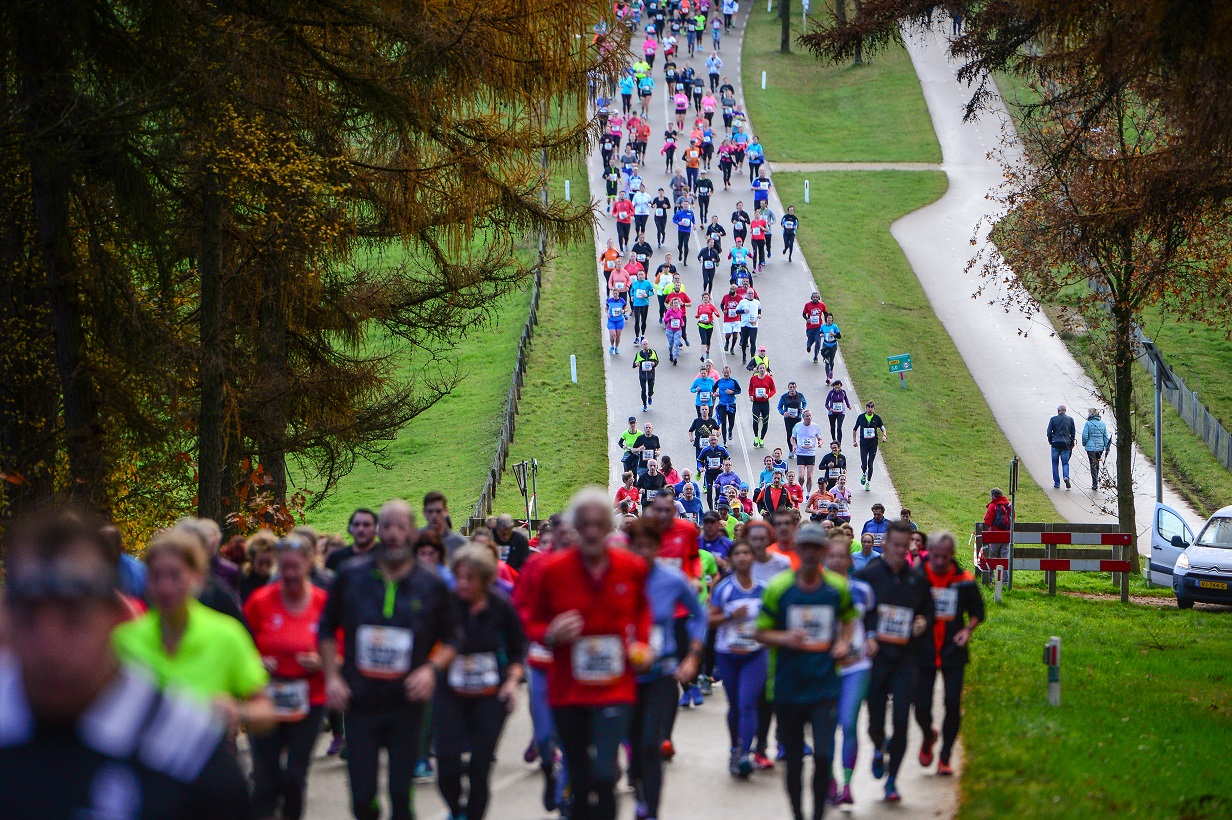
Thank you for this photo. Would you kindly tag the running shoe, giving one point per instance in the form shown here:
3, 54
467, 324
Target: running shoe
863, 479
878, 764
868, 485
891, 791
616, 350
695, 692
424, 773
733, 764
781, 754
686, 344
531, 754
650, 401
945, 769
761, 762
808, 750
746, 766
685, 701
926, 748
845, 798
643, 410
640, 810
336, 745
815, 362
1067, 483
707, 686
832, 798
549, 790
666, 750
701, 358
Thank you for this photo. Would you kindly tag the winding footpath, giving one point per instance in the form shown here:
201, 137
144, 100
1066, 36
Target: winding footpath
1023, 377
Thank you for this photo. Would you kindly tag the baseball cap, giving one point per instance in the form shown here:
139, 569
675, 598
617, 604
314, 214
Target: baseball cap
812, 535
710, 516
723, 504
744, 485
632, 419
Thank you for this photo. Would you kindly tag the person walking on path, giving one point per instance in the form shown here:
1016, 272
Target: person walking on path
1096, 441
1061, 437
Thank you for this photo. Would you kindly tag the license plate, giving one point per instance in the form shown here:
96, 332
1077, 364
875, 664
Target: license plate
1212, 585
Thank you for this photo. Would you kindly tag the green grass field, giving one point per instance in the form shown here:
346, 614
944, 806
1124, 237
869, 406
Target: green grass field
945, 448
1145, 723
812, 112
561, 424
449, 447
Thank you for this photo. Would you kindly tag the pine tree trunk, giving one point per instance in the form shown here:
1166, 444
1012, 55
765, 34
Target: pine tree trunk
212, 367
785, 20
1122, 405
276, 384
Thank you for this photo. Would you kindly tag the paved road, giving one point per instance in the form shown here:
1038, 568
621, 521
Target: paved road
1023, 378
783, 288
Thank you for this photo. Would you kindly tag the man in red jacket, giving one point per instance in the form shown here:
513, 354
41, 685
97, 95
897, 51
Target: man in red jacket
589, 609
814, 314
997, 519
761, 390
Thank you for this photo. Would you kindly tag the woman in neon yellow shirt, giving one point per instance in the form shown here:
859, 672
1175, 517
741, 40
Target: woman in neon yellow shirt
189, 647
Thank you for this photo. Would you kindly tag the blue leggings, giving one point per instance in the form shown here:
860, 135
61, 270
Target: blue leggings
544, 727
744, 678
850, 698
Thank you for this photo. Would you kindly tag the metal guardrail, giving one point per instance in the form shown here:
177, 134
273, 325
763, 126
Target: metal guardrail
1196, 415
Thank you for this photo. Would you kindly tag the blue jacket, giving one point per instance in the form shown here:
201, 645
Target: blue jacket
665, 587
684, 219
703, 385
721, 390
1095, 436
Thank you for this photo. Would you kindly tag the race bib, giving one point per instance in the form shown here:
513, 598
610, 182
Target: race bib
868, 432
659, 212
709, 263
836, 407
675, 563
290, 699
806, 443
878, 537
743, 640
759, 392
704, 396
945, 602
503, 551
475, 674
538, 652
647, 366
817, 623
713, 463
641, 257
792, 412
834, 472
656, 640
650, 495
598, 660
674, 324
830, 338
685, 223
814, 315
383, 652
615, 312
894, 623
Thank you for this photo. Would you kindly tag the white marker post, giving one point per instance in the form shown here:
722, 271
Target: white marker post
763, 81
573, 367
1052, 658
806, 192
566, 190
996, 589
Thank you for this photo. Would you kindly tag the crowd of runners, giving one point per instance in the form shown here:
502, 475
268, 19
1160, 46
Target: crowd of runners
616, 614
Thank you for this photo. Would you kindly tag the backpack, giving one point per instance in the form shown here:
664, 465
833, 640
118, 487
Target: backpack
1001, 517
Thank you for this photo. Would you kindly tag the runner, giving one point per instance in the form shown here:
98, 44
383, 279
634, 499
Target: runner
362, 529
726, 155
480, 688
660, 206
645, 89
646, 361
716, 232
617, 311
864, 435
742, 662
740, 220
837, 405
790, 224
705, 187
630, 458
668, 591
641, 212
663, 282
774, 497
833, 466
640, 292
761, 390
730, 305
830, 336
675, 320
791, 404
903, 616
684, 219
749, 310
711, 459
646, 446
700, 431
709, 256
85, 736
959, 609
805, 440
808, 620
877, 526
400, 632
853, 669
814, 314
703, 388
622, 210
757, 231
668, 151
589, 608
283, 618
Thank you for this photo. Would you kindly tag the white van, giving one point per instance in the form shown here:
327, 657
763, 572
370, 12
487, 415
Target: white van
1197, 569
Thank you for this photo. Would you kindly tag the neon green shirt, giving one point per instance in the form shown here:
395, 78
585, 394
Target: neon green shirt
216, 655
710, 572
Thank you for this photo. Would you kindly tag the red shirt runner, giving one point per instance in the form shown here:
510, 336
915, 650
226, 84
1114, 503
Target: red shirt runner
622, 209
282, 635
814, 314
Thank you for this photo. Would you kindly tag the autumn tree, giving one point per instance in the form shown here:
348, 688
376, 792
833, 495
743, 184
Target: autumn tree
1083, 227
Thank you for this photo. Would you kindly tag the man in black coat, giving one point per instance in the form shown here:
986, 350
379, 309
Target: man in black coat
1061, 437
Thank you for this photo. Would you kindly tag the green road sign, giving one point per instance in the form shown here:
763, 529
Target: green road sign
900, 363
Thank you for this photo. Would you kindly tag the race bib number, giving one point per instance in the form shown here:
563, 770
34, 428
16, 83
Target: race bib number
744, 630
538, 652
659, 212
616, 312
641, 257
830, 338
894, 623
503, 550
647, 366
836, 407
674, 324
685, 223
834, 472
704, 396
709, 263
806, 443
713, 463
814, 315
878, 537
475, 674
759, 392
598, 660
817, 624
383, 652
868, 432
792, 412
945, 602
650, 495
290, 699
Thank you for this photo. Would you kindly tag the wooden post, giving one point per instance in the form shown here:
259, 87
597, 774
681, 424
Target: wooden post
1125, 575
1052, 658
1051, 575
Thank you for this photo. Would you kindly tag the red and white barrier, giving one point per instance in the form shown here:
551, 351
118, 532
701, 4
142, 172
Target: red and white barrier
1096, 539
1060, 564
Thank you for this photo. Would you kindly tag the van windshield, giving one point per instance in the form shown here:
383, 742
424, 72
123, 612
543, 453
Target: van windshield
1217, 533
